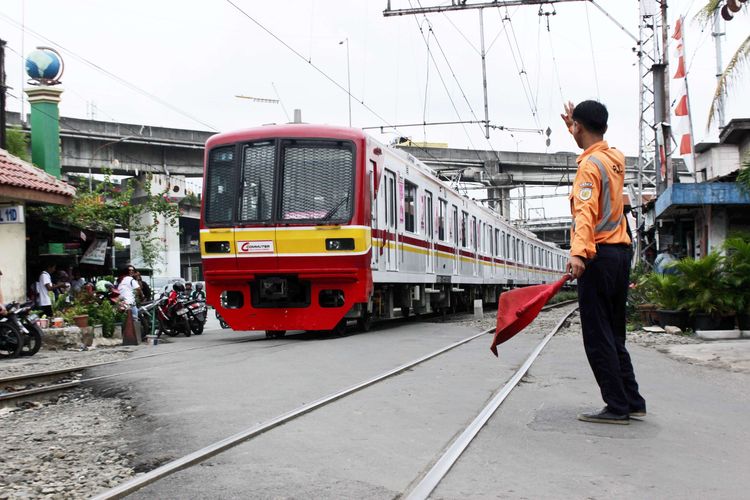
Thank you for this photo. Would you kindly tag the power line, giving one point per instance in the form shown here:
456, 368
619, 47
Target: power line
108, 73
440, 75
314, 66
522, 69
593, 58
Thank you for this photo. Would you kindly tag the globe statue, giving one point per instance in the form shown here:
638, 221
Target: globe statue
44, 65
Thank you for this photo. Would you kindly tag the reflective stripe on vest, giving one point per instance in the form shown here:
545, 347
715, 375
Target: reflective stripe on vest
605, 224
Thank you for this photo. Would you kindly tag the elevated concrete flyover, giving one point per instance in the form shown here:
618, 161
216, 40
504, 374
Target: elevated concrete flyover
128, 149
511, 169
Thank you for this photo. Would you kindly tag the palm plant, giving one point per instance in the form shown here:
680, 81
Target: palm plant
665, 290
737, 271
706, 290
731, 73
743, 178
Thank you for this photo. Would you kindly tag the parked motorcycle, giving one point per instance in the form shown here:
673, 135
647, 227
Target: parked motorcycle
11, 338
147, 320
172, 313
223, 323
20, 315
196, 315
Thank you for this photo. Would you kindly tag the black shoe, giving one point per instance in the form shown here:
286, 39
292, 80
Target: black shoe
605, 417
638, 413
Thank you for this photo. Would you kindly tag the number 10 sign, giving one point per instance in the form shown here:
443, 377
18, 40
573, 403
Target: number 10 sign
11, 214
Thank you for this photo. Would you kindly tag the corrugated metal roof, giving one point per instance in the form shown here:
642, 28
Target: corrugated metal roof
16, 172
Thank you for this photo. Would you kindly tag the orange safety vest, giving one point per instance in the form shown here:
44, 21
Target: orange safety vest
596, 201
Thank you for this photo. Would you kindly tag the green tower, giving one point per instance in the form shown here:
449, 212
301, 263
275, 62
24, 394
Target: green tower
45, 127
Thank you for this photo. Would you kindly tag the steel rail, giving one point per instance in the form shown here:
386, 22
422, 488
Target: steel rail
61, 371
251, 432
433, 477
218, 447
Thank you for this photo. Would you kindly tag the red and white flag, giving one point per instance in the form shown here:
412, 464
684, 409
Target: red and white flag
681, 128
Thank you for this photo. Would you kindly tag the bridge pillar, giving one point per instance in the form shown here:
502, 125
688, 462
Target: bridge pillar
499, 196
166, 262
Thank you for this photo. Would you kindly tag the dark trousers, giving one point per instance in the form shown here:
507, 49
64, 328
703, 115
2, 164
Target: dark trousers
602, 291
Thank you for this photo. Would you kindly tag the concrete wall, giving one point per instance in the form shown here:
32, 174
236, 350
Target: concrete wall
169, 261
719, 161
717, 228
13, 259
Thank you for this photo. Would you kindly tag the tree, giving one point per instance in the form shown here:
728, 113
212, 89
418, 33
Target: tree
17, 143
106, 206
732, 72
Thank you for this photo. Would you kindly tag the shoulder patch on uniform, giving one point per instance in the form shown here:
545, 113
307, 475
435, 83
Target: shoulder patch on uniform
584, 193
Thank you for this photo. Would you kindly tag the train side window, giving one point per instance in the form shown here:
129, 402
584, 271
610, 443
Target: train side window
410, 206
442, 209
220, 182
474, 233
464, 223
491, 239
498, 242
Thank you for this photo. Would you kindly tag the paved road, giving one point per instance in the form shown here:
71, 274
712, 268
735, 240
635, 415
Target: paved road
375, 443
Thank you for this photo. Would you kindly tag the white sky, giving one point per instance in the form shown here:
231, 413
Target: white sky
198, 55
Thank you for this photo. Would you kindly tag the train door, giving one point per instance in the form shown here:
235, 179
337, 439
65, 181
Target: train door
390, 234
456, 250
374, 221
429, 232
475, 245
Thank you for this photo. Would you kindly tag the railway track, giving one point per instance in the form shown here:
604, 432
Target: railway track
40, 386
425, 484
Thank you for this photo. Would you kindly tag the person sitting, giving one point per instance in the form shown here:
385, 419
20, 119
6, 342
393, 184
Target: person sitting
199, 294
663, 261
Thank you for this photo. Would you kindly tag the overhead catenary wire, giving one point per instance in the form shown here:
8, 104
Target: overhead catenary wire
315, 67
593, 57
440, 75
521, 69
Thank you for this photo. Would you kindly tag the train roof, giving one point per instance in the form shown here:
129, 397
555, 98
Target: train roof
301, 130
311, 131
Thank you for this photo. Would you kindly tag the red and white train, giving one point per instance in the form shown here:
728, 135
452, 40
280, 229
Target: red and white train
306, 227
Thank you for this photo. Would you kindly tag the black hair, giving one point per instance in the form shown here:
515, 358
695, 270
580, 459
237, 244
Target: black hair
592, 115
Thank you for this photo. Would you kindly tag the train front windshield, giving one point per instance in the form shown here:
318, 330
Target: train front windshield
281, 181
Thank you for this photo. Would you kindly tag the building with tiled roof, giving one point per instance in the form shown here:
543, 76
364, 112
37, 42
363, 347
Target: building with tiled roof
21, 184
23, 181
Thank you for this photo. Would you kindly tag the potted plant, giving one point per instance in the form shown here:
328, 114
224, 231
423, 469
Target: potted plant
668, 294
737, 276
708, 297
641, 296
77, 314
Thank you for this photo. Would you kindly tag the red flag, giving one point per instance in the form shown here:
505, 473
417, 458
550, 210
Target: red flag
680, 68
517, 308
681, 109
686, 145
678, 29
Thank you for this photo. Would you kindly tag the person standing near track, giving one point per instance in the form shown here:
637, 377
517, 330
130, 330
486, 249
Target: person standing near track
600, 255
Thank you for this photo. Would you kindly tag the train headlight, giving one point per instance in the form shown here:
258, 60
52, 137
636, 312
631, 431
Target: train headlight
340, 244
218, 247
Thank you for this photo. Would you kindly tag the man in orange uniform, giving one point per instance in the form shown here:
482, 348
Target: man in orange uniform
600, 255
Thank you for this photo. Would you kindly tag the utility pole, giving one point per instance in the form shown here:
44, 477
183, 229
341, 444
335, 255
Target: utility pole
666, 124
484, 76
717, 34
348, 77
3, 143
